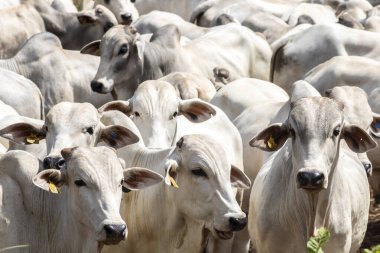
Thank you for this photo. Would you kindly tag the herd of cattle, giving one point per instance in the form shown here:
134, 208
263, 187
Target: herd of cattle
194, 101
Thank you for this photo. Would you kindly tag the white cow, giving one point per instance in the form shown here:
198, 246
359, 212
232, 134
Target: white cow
82, 217
189, 85
197, 165
348, 71
61, 75
127, 60
311, 181
16, 89
124, 10
16, 26
300, 52
66, 125
242, 93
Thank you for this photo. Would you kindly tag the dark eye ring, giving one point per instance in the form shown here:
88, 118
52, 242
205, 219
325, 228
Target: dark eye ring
79, 183
137, 114
292, 133
123, 49
199, 173
336, 131
90, 130
175, 114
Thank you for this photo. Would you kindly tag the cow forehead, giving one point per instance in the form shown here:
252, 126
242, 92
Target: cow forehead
81, 114
315, 114
156, 95
356, 108
201, 149
114, 35
95, 162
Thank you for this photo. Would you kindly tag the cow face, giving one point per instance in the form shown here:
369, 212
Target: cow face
69, 125
92, 182
205, 179
121, 59
155, 107
315, 126
122, 9
356, 111
99, 16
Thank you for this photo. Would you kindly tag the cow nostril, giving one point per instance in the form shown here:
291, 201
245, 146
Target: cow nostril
61, 163
126, 17
47, 163
96, 86
237, 224
115, 231
302, 179
318, 179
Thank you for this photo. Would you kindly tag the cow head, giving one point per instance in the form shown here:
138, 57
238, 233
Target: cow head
121, 58
99, 16
155, 107
315, 127
358, 112
124, 10
205, 179
69, 125
93, 181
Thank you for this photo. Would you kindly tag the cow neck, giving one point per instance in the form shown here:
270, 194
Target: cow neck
60, 226
12, 65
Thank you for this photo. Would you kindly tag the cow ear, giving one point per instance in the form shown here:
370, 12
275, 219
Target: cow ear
271, 139
118, 136
92, 48
375, 125
140, 47
118, 105
23, 133
50, 180
86, 18
196, 110
138, 178
357, 139
239, 179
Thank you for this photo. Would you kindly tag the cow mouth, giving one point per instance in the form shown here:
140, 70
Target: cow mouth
224, 235
111, 241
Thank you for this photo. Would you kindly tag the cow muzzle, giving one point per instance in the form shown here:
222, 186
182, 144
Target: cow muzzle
310, 180
234, 224
126, 17
97, 86
115, 233
54, 162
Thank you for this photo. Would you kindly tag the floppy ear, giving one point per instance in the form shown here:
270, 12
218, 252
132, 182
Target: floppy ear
239, 179
375, 125
118, 136
272, 138
46, 178
138, 178
357, 139
196, 110
86, 18
92, 48
23, 133
118, 105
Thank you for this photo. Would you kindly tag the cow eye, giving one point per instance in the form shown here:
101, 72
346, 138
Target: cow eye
79, 183
46, 128
137, 114
90, 130
173, 115
336, 131
108, 26
107, 1
99, 11
123, 49
199, 173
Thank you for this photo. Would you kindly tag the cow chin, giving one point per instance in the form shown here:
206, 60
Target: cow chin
224, 235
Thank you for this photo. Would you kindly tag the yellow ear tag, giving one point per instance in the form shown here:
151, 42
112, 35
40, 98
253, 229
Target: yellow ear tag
271, 143
53, 188
32, 139
172, 182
